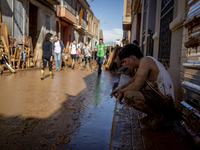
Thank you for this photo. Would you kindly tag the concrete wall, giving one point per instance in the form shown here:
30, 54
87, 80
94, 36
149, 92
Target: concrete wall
7, 14
157, 29
134, 28
176, 26
7, 8
41, 26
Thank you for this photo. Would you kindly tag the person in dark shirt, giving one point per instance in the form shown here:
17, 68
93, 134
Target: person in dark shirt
47, 54
136, 43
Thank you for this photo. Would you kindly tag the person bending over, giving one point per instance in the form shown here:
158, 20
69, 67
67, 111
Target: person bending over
151, 90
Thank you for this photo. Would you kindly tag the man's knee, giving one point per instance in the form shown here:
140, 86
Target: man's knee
133, 95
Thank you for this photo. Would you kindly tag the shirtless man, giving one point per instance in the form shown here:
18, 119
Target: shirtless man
151, 90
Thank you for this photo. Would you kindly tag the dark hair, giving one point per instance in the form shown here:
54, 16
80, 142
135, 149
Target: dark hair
73, 40
101, 39
47, 37
129, 50
136, 42
56, 36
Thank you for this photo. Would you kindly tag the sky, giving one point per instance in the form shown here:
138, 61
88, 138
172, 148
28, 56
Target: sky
111, 18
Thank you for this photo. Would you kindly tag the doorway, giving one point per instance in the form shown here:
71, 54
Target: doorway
33, 10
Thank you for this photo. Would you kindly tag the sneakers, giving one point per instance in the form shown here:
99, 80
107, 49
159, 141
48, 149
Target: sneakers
42, 74
153, 124
99, 70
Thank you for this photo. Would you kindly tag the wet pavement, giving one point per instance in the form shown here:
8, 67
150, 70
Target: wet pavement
75, 111
72, 111
127, 135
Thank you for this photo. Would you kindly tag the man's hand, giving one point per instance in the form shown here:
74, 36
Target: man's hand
115, 92
63, 54
51, 58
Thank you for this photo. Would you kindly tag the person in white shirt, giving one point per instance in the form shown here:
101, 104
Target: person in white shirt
87, 53
58, 48
72, 50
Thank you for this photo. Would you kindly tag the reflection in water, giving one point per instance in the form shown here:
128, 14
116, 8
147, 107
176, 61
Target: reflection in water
97, 91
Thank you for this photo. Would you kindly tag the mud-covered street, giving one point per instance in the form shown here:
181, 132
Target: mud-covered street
72, 111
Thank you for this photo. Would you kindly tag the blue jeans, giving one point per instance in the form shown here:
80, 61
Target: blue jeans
57, 57
99, 60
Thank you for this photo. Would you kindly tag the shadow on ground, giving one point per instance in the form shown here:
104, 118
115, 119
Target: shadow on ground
56, 131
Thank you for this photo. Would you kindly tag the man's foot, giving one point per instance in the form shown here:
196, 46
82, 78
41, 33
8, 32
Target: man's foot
153, 124
144, 119
58, 70
99, 70
42, 74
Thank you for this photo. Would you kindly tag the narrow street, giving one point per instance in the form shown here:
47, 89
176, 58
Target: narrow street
72, 111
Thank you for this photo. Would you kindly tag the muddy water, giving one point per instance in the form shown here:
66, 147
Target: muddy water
72, 111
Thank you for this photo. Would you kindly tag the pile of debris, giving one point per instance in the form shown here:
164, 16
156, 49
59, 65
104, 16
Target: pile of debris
115, 65
15, 53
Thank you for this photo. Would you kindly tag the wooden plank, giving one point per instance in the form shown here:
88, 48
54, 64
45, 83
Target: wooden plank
4, 33
6, 47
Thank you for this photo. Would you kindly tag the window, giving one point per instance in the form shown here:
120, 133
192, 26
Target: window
165, 32
48, 23
57, 27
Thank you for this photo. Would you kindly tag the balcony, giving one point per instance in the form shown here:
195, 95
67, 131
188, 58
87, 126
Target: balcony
67, 13
83, 23
127, 15
69, 7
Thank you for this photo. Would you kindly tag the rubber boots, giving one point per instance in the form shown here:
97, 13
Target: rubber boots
51, 75
42, 74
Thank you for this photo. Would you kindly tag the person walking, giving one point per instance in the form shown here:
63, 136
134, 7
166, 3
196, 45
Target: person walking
72, 50
101, 52
47, 54
87, 52
58, 48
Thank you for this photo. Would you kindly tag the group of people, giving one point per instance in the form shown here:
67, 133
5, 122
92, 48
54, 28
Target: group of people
83, 54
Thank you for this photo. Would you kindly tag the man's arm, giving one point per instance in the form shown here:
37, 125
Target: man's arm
140, 78
62, 46
129, 82
90, 50
104, 51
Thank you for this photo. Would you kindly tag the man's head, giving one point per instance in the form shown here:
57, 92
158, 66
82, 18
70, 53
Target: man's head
86, 43
74, 41
100, 41
131, 55
136, 42
56, 38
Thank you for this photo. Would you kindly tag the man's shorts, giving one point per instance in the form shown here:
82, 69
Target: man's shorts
73, 56
156, 102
